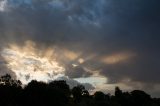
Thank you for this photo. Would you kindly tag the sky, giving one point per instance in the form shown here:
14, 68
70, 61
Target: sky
98, 43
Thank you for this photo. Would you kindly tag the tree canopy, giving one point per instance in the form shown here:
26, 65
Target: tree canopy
58, 93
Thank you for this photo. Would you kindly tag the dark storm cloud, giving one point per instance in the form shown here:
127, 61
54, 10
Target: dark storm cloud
98, 27
136, 28
47, 20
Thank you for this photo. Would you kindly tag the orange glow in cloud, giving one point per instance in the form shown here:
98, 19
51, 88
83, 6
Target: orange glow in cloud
118, 57
28, 63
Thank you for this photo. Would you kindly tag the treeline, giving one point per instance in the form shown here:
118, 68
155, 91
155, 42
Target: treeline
58, 93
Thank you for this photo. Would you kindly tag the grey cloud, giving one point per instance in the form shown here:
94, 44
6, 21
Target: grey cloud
72, 83
4, 69
100, 27
77, 72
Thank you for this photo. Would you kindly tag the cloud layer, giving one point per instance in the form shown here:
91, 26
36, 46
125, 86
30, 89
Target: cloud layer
116, 39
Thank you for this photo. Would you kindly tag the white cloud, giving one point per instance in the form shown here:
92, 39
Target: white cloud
3, 4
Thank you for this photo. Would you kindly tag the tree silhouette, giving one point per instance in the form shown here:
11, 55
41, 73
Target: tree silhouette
9, 89
61, 85
118, 92
8, 81
141, 97
77, 92
99, 95
58, 93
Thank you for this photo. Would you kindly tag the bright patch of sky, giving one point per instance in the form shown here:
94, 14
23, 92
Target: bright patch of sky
29, 67
92, 80
3, 5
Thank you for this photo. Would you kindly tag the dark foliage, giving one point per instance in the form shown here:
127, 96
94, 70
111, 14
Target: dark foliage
58, 93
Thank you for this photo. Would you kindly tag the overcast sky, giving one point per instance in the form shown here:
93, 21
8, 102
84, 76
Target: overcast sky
117, 40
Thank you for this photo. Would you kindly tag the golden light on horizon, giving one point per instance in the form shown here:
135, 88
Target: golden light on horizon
28, 63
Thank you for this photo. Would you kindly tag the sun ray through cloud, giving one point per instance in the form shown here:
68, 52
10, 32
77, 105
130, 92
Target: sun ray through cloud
28, 64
